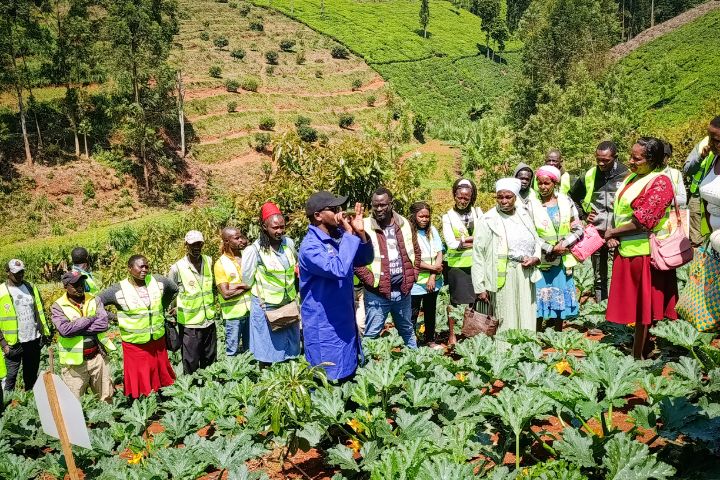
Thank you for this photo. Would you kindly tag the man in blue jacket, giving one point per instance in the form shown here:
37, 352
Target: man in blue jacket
333, 245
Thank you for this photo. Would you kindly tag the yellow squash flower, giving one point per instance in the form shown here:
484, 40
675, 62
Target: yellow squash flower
563, 366
136, 458
356, 425
460, 376
354, 445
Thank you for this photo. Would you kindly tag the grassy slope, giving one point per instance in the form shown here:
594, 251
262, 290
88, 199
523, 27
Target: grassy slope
320, 88
441, 76
676, 78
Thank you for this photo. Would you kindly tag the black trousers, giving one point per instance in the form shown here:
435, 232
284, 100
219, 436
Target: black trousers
199, 347
27, 354
428, 304
599, 261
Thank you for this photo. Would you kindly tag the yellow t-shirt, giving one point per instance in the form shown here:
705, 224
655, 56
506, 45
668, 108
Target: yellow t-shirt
221, 276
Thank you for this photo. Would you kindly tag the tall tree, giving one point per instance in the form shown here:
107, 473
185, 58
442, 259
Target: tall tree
488, 11
424, 16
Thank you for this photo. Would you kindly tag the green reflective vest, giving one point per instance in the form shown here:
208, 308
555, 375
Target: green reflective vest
195, 301
697, 179
8, 317
637, 244
462, 257
564, 183
3, 370
70, 349
91, 285
546, 228
589, 189
273, 282
502, 261
236, 307
376, 265
428, 254
140, 323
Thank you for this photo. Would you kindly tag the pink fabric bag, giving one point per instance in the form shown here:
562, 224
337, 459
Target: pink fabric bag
671, 252
590, 243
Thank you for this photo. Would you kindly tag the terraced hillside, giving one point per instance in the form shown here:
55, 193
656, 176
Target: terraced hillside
306, 80
441, 76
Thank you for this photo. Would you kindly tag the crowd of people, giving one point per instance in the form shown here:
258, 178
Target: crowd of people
351, 272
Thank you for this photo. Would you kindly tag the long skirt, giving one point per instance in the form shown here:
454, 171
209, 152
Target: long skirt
515, 301
639, 293
556, 295
147, 367
461, 287
268, 346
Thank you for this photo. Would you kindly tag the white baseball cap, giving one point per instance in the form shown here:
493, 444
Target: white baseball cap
193, 236
15, 265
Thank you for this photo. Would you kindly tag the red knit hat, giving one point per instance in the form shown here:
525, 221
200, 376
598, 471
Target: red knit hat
268, 210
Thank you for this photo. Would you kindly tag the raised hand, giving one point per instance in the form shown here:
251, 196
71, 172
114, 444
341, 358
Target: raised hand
357, 222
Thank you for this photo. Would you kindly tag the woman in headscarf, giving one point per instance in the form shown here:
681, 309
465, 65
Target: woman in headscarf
639, 293
558, 225
141, 300
458, 226
268, 268
506, 251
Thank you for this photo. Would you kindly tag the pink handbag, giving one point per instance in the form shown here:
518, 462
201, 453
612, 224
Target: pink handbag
590, 243
671, 252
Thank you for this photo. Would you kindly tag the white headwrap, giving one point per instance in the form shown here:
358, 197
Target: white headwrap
464, 183
510, 184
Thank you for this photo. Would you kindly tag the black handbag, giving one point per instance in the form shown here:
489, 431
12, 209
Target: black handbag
172, 337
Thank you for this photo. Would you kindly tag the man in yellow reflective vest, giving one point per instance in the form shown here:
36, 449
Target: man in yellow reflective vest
23, 328
195, 304
389, 279
233, 294
81, 263
697, 167
83, 343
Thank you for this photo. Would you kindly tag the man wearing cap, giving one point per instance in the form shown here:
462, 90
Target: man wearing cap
83, 344
81, 263
389, 278
334, 244
23, 327
195, 304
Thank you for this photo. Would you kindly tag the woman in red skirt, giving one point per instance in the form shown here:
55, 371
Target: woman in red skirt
639, 293
141, 300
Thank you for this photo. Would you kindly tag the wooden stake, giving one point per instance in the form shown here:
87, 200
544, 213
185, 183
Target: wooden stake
59, 422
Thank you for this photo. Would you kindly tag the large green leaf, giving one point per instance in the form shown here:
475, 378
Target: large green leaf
677, 332
626, 459
342, 456
576, 448
441, 468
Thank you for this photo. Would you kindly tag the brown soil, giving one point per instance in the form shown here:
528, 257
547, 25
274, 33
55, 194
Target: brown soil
310, 462
620, 51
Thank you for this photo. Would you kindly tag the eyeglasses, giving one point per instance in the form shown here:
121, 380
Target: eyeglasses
332, 209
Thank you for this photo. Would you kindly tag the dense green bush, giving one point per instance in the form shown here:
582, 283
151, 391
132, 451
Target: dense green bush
261, 141
346, 119
232, 85
231, 106
356, 84
257, 25
339, 51
287, 44
272, 56
250, 84
238, 54
88, 189
267, 123
215, 71
205, 36
370, 100
302, 120
307, 133
244, 9
221, 42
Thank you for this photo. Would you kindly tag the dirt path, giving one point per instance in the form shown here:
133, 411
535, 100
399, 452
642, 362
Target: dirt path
620, 51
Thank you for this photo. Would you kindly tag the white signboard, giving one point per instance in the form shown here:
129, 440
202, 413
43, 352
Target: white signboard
72, 412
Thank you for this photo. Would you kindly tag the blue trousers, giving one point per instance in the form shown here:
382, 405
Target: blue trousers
377, 309
236, 330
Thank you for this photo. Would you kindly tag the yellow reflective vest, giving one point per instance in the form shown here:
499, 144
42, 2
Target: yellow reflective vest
461, 258
140, 323
546, 228
195, 301
376, 265
236, 307
8, 317
70, 349
428, 254
273, 282
637, 244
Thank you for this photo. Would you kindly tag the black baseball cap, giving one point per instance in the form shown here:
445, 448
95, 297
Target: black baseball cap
321, 200
72, 277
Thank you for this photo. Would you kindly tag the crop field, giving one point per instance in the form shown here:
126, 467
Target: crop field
438, 76
551, 405
674, 78
306, 80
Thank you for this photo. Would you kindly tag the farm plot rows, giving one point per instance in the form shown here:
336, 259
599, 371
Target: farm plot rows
552, 405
